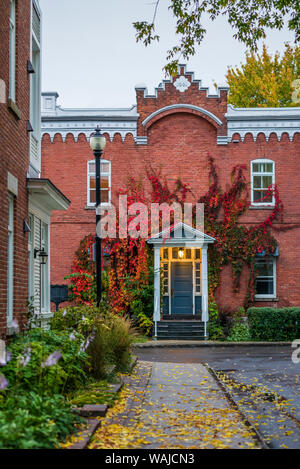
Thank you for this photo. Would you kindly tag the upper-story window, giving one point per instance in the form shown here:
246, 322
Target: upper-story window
262, 176
35, 87
105, 182
12, 51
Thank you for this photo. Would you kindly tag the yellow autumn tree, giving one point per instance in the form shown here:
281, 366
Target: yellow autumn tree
265, 80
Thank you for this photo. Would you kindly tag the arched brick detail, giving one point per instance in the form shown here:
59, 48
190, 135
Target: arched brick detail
187, 109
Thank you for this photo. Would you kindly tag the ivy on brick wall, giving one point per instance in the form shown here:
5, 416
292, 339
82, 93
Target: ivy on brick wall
236, 244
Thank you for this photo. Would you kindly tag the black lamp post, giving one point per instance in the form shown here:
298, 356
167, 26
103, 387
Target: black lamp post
97, 143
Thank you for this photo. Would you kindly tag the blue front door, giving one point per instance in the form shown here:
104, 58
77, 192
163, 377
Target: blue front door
181, 288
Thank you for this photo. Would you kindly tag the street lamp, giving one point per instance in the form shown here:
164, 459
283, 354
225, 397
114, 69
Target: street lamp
97, 144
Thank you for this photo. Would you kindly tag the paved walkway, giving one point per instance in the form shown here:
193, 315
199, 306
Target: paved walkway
169, 405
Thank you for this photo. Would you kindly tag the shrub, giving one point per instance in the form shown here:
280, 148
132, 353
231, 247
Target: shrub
109, 336
32, 421
215, 330
79, 318
46, 361
120, 338
274, 324
239, 333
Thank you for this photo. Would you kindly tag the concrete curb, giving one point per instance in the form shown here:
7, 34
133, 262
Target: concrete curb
86, 435
258, 436
191, 343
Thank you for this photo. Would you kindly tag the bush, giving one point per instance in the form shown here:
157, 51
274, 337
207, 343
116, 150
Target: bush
274, 324
142, 303
109, 336
215, 330
79, 318
47, 362
32, 421
120, 338
239, 333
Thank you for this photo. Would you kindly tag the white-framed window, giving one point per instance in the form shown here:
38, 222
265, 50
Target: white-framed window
10, 259
265, 283
30, 257
105, 171
12, 51
35, 86
262, 176
44, 270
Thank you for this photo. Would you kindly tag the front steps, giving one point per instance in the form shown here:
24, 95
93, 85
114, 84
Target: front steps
176, 329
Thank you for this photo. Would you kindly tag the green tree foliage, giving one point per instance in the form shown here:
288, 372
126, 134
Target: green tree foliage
265, 80
248, 18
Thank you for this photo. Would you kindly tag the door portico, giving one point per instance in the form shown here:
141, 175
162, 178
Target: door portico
180, 263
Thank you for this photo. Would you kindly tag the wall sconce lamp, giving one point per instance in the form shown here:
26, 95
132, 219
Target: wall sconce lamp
43, 256
181, 253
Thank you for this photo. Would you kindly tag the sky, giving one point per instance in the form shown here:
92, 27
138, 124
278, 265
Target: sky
91, 58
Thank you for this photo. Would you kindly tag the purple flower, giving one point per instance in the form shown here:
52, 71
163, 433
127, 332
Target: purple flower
83, 318
64, 313
72, 336
52, 359
26, 358
89, 340
3, 382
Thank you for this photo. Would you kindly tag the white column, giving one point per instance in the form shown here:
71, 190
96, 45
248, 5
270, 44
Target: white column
204, 289
156, 315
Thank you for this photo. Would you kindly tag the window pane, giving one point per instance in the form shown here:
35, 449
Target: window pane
166, 254
92, 168
104, 168
93, 196
104, 196
264, 268
257, 182
188, 254
264, 286
267, 181
93, 182
257, 196
266, 197
197, 254
255, 167
104, 182
175, 253
268, 167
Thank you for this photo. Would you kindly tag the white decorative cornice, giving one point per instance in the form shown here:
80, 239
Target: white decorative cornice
254, 121
63, 121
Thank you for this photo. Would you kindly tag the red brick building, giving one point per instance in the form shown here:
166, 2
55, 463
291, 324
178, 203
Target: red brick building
175, 128
26, 201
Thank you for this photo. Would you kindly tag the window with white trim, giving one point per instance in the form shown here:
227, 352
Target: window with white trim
265, 283
10, 259
12, 51
262, 176
44, 270
30, 257
105, 171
